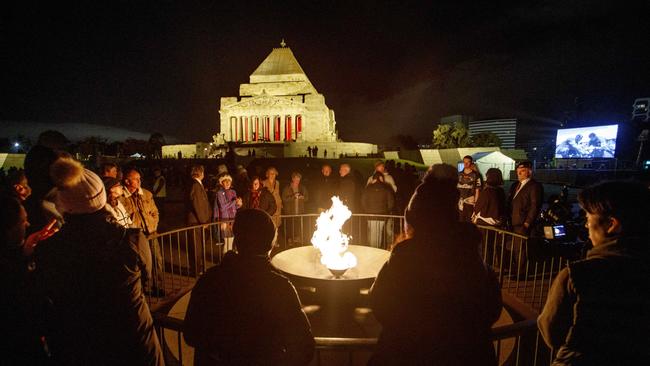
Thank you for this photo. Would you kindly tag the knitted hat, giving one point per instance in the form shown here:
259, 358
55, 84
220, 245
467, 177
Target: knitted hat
79, 190
224, 177
435, 199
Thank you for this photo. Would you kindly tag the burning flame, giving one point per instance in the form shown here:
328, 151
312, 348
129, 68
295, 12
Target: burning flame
330, 240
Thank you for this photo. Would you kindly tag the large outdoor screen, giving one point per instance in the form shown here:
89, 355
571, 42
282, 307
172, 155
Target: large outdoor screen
586, 142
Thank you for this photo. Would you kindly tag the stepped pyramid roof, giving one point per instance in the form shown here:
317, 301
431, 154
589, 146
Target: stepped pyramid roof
279, 65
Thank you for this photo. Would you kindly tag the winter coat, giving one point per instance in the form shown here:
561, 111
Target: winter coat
436, 301
93, 271
142, 209
274, 189
347, 191
243, 312
293, 203
225, 205
197, 206
324, 189
597, 312
267, 202
378, 198
490, 208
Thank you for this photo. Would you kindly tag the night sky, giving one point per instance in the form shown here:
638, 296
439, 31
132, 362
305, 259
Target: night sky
162, 66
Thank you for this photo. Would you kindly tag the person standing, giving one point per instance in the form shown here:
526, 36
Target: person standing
23, 307
243, 312
142, 209
469, 184
294, 197
347, 187
380, 167
258, 197
490, 208
314, 151
525, 200
198, 212
114, 192
93, 271
377, 198
273, 185
596, 312
325, 188
226, 204
435, 298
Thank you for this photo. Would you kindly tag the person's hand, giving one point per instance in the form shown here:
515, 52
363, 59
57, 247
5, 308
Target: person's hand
33, 239
238, 202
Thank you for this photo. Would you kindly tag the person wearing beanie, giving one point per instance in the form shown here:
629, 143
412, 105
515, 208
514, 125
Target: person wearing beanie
243, 312
435, 286
114, 192
93, 271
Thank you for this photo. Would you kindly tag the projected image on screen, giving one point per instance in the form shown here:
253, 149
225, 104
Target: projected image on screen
586, 142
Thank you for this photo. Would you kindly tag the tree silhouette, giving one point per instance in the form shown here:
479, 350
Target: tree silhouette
486, 139
447, 136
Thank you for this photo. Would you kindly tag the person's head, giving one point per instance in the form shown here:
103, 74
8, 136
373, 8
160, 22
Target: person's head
78, 190
326, 170
467, 162
344, 169
198, 172
434, 203
524, 170
17, 183
254, 232
113, 189
109, 170
295, 178
615, 209
255, 183
132, 179
271, 173
52, 139
379, 166
494, 177
578, 138
13, 220
157, 172
225, 181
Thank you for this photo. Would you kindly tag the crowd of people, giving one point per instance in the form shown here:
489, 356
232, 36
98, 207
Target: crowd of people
75, 265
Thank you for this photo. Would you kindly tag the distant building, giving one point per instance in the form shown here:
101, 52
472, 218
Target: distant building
504, 128
278, 105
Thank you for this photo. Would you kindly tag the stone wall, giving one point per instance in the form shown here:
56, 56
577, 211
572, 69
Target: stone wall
187, 151
334, 149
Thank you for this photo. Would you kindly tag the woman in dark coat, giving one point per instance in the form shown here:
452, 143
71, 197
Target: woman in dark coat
490, 209
259, 197
435, 299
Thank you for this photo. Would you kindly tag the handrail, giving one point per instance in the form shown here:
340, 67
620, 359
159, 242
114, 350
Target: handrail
502, 231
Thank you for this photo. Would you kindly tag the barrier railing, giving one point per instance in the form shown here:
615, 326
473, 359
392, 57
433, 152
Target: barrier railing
525, 268
511, 342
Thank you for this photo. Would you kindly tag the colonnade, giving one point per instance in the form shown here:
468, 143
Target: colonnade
266, 128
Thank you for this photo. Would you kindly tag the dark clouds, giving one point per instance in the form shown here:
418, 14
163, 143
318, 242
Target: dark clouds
163, 66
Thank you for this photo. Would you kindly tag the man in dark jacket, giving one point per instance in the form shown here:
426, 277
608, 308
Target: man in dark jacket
243, 312
325, 188
93, 271
597, 309
197, 211
525, 200
377, 198
197, 205
347, 187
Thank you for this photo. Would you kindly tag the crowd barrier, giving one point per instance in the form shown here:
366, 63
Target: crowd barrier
524, 266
